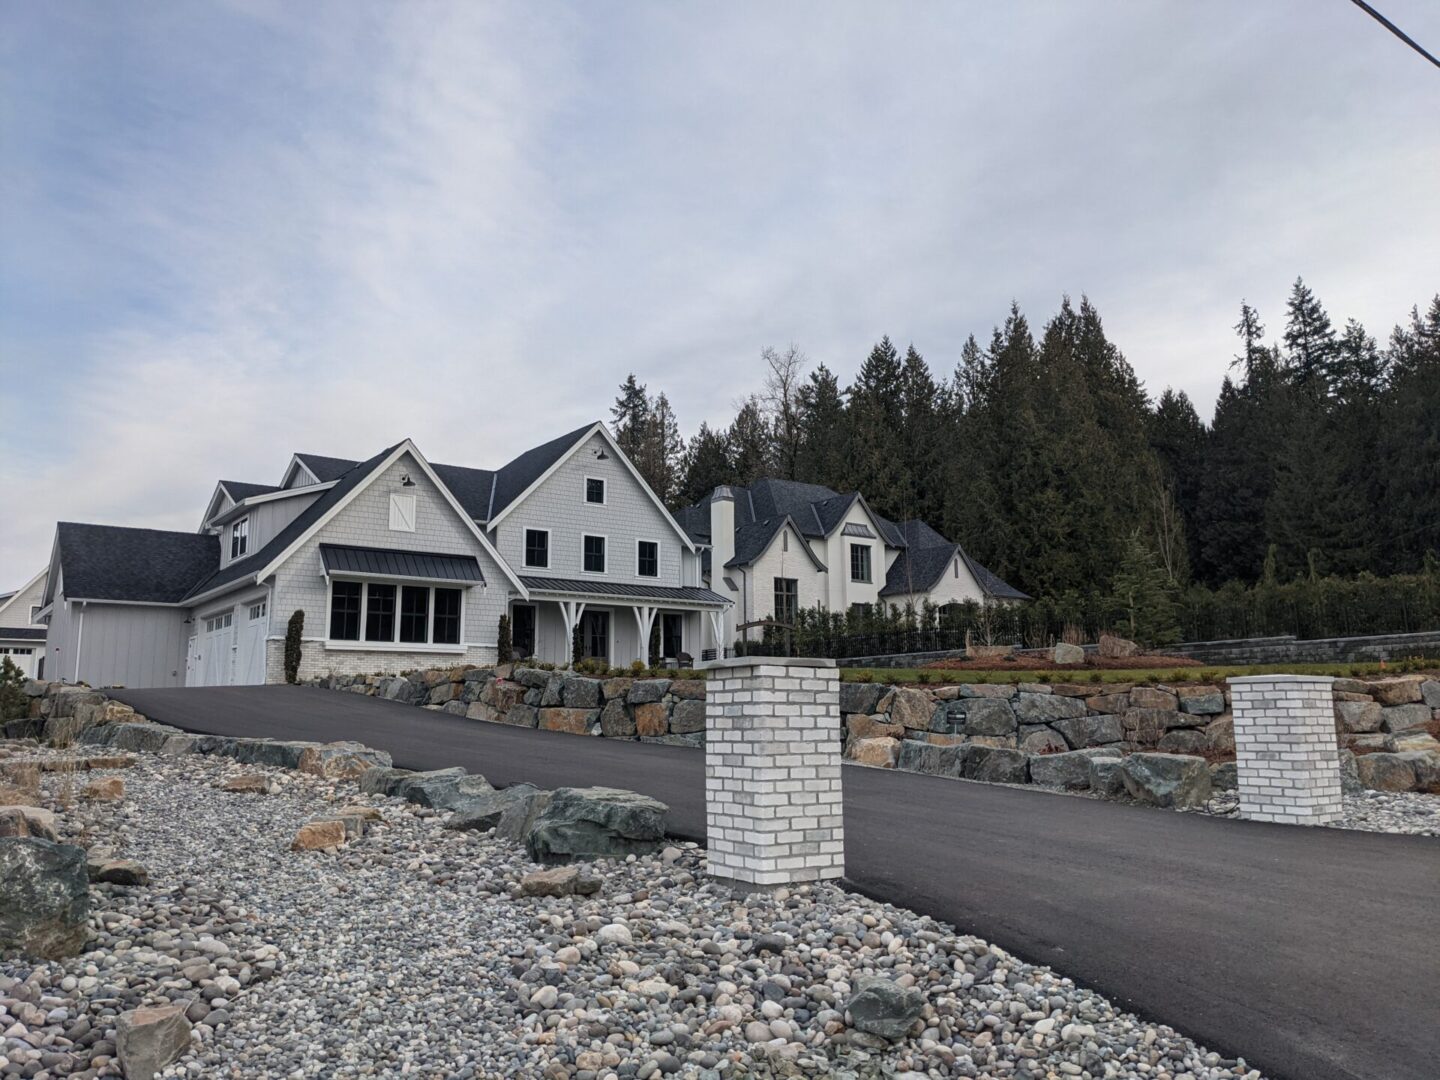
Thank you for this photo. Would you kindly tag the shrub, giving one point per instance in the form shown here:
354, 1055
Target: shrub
503, 646
1096, 677
924, 676
294, 631
577, 646
13, 705
637, 667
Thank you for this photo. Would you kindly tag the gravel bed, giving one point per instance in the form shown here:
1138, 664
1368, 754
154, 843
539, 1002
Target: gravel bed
409, 952
1367, 811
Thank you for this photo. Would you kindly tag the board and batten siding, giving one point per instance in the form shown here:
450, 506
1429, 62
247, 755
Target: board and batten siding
266, 521
135, 645
558, 504
300, 583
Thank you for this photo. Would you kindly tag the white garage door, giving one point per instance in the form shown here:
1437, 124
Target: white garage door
250, 654
22, 656
217, 647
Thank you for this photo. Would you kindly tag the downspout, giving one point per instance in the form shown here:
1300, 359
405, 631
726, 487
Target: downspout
79, 640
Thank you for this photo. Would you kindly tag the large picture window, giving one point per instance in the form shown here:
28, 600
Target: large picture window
648, 559
537, 548
859, 562
594, 555
392, 614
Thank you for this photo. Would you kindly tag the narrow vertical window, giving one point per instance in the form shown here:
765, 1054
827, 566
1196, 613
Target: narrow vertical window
414, 613
648, 559
345, 611
239, 537
447, 617
594, 555
380, 612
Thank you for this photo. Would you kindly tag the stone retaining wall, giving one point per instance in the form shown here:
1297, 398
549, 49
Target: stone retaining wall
1058, 735
1288, 649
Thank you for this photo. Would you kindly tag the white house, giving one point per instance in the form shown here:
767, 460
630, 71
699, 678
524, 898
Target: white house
22, 635
393, 563
778, 546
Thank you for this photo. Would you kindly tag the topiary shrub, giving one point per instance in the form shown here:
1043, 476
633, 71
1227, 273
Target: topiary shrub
294, 630
504, 649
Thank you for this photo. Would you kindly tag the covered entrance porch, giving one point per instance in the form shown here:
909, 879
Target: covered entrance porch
614, 623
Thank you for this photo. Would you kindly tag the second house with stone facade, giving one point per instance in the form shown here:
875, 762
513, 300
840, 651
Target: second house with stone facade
396, 563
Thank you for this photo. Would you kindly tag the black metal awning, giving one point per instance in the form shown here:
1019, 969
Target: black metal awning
686, 594
393, 563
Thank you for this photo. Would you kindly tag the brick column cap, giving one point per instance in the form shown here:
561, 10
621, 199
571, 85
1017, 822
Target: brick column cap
1248, 679
771, 661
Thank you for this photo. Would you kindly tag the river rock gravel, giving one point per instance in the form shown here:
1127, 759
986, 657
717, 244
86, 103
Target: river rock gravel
410, 951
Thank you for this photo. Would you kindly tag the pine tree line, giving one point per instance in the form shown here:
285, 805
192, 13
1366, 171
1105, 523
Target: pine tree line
1046, 457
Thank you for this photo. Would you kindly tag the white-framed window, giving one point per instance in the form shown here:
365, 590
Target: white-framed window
219, 622
389, 613
34, 613
16, 650
647, 558
592, 554
402, 512
239, 537
257, 611
860, 562
537, 549
595, 490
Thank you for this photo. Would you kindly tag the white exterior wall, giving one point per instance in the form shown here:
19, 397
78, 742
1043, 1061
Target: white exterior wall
950, 589
365, 522
559, 505
843, 592
759, 580
17, 609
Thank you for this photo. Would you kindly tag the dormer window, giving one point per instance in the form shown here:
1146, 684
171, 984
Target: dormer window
595, 490
239, 538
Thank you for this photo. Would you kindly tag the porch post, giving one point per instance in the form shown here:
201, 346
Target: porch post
644, 621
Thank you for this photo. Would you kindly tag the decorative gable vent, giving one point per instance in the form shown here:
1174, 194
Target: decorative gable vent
402, 512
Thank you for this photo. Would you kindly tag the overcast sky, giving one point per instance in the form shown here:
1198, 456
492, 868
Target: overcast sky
232, 231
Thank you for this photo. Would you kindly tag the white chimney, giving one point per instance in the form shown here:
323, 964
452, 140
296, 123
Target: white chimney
722, 550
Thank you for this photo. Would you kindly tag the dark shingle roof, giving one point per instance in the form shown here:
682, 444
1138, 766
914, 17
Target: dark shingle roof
254, 563
239, 489
815, 509
752, 540
112, 562
23, 633
514, 477
326, 468
992, 584
471, 487
695, 520
692, 593
925, 558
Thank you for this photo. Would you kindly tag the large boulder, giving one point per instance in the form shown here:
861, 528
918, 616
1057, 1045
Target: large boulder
881, 1007
1150, 697
1145, 726
487, 811
1386, 772
1069, 771
1169, 780
1183, 741
280, 754
1042, 740
1399, 691
1083, 731
573, 721
342, 759
1398, 718
149, 1038
616, 719
44, 897
1044, 708
578, 693
986, 716
1113, 647
1224, 776
882, 752
687, 716
1430, 693
1107, 776
1358, 717
913, 709
1066, 653
22, 820
1201, 700
1220, 734
644, 691
440, 789
382, 781
993, 764
596, 823
923, 757
651, 718
858, 697
863, 726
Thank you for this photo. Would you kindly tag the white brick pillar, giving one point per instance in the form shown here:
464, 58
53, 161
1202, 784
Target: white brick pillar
1287, 759
772, 771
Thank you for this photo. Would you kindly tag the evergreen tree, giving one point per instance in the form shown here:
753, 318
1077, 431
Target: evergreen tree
748, 442
823, 426
1145, 595
661, 451
1310, 347
921, 407
631, 416
1408, 509
707, 466
1178, 440
875, 421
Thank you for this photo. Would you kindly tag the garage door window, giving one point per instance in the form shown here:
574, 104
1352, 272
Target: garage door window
219, 622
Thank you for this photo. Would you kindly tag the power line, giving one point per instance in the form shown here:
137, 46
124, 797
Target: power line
1383, 21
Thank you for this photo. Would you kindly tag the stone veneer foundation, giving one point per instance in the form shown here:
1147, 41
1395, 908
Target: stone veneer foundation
773, 812
1287, 769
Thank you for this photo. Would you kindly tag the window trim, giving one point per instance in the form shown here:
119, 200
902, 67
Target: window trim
397, 499
869, 578
525, 549
239, 538
775, 597
638, 573
604, 491
35, 610
604, 553
515, 606
394, 644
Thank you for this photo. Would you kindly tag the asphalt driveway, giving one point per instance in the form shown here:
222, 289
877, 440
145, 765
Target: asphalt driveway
1313, 953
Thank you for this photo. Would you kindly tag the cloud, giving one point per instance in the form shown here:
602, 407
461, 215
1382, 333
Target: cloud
234, 232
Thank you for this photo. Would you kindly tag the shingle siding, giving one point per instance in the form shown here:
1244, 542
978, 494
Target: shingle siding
365, 521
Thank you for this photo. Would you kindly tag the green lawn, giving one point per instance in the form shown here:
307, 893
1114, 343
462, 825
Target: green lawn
1207, 674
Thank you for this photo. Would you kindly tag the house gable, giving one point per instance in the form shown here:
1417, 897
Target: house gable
15, 611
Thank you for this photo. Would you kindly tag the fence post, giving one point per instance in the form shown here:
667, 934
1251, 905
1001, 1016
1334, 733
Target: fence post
1286, 754
773, 813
